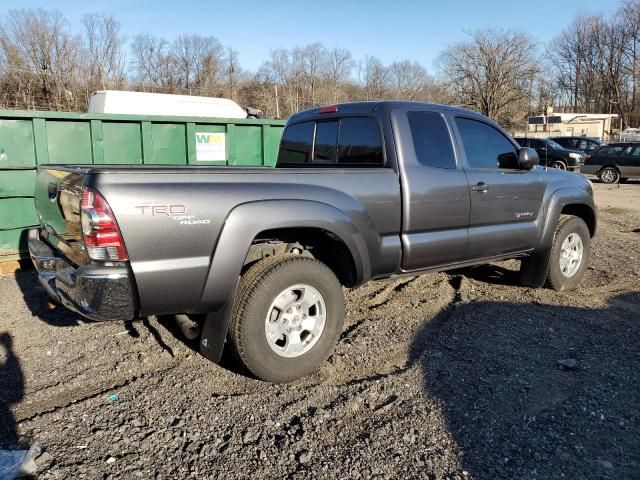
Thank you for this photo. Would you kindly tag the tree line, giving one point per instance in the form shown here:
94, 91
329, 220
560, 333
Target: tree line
593, 65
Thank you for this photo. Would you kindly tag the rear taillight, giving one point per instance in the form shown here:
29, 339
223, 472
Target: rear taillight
99, 228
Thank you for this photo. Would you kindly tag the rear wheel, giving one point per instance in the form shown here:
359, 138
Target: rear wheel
559, 164
569, 254
609, 175
287, 317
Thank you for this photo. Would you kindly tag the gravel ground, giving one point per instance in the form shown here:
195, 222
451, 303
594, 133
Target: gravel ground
458, 375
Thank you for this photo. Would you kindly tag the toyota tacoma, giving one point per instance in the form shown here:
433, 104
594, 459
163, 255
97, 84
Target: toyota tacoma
255, 259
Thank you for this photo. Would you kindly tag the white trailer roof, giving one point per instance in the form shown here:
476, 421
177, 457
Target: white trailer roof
143, 103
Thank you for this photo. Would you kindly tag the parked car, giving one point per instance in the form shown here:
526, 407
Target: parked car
582, 144
614, 163
361, 191
553, 155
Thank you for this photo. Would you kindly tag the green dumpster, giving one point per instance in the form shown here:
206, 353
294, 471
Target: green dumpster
29, 139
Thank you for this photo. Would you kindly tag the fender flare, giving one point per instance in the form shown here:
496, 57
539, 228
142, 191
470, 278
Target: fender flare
241, 226
534, 268
558, 201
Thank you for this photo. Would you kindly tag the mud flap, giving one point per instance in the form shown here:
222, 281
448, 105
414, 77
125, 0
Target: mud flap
534, 269
214, 330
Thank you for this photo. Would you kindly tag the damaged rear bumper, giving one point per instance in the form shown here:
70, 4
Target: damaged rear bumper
94, 291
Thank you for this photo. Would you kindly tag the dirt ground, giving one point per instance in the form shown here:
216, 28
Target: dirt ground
451, 375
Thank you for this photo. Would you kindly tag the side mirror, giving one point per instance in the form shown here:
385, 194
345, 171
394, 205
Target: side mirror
528, 158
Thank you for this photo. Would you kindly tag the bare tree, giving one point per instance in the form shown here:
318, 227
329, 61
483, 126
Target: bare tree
409, 79
339, 67
492, 71
629, 14
38, 45
104, 46
233, 71
375, 78
198, 62
314, 64
594, 62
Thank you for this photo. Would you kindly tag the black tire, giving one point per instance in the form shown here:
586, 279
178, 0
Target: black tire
559, 164
259, 287
609, 175
568, 225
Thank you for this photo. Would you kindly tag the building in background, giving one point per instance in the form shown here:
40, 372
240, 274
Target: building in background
598, 125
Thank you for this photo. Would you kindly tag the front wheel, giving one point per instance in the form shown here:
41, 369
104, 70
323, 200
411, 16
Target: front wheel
570, 253
609, 175
287, 317
559, 164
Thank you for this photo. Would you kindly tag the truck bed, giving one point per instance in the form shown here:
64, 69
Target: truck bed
171, 217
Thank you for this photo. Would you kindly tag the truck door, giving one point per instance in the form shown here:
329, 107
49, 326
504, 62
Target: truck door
435, 192
506, 201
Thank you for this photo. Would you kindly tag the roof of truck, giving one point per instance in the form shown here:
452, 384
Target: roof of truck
355, 108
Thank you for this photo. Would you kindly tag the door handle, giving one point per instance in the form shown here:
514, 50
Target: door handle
480, 187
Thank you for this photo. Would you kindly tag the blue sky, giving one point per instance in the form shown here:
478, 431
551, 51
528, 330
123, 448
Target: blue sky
390, 30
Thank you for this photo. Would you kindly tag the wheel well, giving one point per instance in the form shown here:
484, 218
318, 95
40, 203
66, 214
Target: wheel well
316, 242
558, 159
584, 212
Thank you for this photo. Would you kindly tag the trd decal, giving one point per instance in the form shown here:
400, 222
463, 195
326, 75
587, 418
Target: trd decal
161, 210
176, 212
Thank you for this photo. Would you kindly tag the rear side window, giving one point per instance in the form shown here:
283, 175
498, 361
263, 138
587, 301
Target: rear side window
360, 142
349, 141
326, 140
296, 143
431, 139
523, 142
610, 151
485, 146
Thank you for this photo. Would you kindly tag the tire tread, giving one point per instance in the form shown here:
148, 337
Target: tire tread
557, 283
251, 281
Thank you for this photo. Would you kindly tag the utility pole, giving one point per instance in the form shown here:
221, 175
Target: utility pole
611, 102
610, 105
277, 104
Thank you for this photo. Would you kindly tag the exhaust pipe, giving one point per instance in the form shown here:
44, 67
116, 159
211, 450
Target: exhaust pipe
188, 327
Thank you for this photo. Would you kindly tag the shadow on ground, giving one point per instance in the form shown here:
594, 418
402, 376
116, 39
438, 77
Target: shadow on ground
514, 411
11, 392
41, 307
490, 273
39, 304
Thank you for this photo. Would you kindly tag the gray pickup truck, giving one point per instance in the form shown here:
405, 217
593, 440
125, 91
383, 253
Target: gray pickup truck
256, 258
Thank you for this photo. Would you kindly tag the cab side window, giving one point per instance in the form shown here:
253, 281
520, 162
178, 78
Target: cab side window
485, 146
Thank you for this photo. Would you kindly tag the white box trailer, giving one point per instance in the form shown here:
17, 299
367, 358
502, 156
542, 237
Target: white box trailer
143, 103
